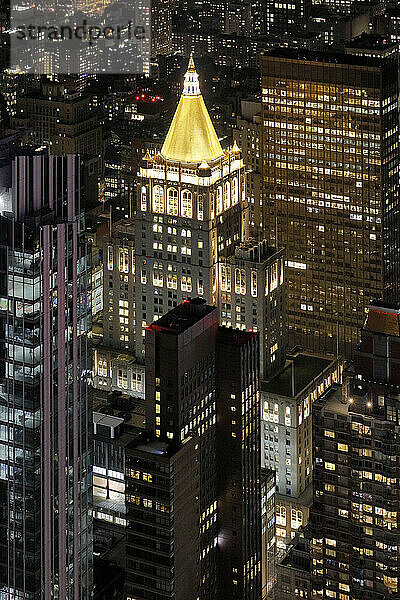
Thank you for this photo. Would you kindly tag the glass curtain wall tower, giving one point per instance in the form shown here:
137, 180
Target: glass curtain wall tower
45, 366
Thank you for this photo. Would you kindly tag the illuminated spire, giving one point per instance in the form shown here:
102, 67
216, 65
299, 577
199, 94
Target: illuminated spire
191, 85
191, 137
235, 148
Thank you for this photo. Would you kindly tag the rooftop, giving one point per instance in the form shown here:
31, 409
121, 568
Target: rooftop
323, 56
383, 318
333, 399
300, 370
305, 498
254, 251
147, 442
183, 316
107, 420
298, 556
234, 337
371, 41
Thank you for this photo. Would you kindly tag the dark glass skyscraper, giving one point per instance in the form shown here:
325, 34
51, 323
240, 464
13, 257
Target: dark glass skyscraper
194, 479
45, 366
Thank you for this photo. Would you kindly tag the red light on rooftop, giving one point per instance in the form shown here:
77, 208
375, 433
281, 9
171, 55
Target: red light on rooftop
137, 98
143, 96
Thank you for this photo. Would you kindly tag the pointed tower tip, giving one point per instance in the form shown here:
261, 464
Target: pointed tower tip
191, 67
235, 148
191, 85
191, 137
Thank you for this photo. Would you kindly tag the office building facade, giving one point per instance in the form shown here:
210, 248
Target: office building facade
330, 188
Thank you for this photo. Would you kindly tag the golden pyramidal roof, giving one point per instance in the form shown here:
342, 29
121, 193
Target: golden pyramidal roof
191, 137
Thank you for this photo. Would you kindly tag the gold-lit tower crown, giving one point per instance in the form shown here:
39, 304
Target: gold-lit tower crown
191, 137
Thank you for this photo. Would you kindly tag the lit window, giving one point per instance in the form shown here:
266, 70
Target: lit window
110, 263
172, 201
219, 200
143, 205
254, 284
240, 281
158, 199
187, 208
200, 208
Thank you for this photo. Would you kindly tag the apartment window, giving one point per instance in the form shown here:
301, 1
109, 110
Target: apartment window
235, 195
225, 278
330, 466
123, 260
172, 281
186, 283
122, 379
296, 518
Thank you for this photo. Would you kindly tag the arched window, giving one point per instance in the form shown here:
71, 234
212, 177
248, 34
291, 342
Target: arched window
172, 201
227, 195
200, 208
240, 281
235, 195
219, 200
158, 199
254, 284
281, 515
187, 208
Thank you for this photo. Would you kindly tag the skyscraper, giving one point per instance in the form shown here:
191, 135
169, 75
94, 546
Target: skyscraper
251, 295
330, 188
181, 401
45, 367
354, 519
202, 409
238, 465
247, 135
192, 209
286, 439
58, 116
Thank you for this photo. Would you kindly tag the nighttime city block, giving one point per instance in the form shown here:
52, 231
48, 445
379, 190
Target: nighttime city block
199, 300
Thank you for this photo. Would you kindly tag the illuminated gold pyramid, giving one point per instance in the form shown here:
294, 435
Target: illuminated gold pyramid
191, 137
